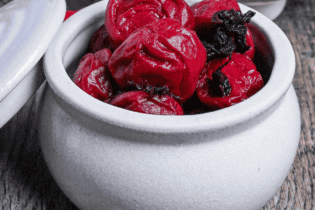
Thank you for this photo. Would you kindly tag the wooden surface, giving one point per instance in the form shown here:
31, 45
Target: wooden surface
25, 182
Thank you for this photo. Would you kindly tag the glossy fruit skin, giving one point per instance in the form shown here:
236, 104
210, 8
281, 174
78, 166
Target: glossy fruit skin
100, 40
243, 77
92, 75
250, 43
122, 17
160, 54
143, 102
203, 11
206, 19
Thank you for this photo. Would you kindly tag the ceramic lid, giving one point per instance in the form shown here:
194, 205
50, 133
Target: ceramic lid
27, 27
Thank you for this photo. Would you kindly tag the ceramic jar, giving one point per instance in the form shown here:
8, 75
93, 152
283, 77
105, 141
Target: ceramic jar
108, 158
270, 8
25, 38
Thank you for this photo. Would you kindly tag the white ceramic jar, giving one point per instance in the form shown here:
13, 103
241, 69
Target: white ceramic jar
108, 158
270, 8
24, 38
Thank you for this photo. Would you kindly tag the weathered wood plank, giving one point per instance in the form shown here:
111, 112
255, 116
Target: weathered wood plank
297, 192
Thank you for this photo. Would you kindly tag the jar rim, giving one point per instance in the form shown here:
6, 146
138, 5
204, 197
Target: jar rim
280, 80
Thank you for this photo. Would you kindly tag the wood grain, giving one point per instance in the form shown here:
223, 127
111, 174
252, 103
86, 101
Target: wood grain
297, 192
25, 181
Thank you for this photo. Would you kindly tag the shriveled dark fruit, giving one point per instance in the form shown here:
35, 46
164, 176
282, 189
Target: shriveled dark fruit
235, 23
122, 17
143, 102
163, 53
219, 85
243, 78
219, 44
205, 10
93, 77
228, 33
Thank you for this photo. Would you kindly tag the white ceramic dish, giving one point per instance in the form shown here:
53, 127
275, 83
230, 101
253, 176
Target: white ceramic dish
104, 157
270, 8
27, 27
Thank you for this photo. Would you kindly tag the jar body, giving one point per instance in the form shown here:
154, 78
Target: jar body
106, 166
